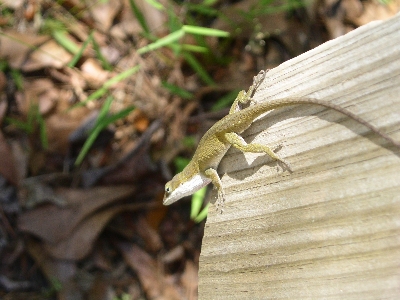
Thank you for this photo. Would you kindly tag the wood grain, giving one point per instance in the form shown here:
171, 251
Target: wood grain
331, 228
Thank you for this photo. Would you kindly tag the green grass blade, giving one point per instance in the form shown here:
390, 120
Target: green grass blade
117, 78
31, 116
98, 127
209, 2
61, 37
103, 90
103, 120
86, 146
19, 124
204, 31
119, 115
104, 110
139, 16
225, 100
93, 96
169, 39
174, 89
17, 78
195, 48
173, 21
203, 214
42, 129
104, 63
202, 9
197, 202
78, 55
198, 68
189, 142
155, 4
180, 163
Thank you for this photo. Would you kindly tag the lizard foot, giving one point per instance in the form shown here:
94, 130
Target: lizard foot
219, 204
285, 165
283, 162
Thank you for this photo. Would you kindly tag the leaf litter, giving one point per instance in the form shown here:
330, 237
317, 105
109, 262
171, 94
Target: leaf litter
98, 230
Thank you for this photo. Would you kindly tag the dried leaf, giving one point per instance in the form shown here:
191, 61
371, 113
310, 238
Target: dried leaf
59, 127
94, 73
61, 270
104, 13
7, 164
141, 121
3, 100
41, 91
15, 47
50, 54
190, 280
21, 157
150, 236
81, 241
35, 191
13, 4
154, 284
101, 289
134, 165
376, 10
54, 224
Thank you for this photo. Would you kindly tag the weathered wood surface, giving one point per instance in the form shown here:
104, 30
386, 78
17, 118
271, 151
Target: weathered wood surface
330, 229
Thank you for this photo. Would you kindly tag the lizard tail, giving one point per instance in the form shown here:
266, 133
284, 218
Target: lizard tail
277, 103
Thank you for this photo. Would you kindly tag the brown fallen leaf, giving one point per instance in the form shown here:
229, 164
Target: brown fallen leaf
81, 241
62, 270
3, 97
15, 46
104, 13
42, 92
100, 289
132, 166
54, 224
30, 52
336, 15
49, 54
59, 126
155, 285
154, 17
34, 191
190, 280
174, 255
150, 236
7, 164
141, 121
93, 73
377, 10
13, 4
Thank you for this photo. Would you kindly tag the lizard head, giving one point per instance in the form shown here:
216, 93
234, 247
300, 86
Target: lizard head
179, 187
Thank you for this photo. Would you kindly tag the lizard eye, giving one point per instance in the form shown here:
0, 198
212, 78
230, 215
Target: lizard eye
167, 189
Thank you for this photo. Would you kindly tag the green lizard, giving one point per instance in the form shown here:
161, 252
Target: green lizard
202, 169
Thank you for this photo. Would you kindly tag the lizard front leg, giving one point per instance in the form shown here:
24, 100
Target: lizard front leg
216, 181
239, 143
243, 98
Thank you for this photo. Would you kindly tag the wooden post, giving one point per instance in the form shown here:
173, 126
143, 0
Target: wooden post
330, 229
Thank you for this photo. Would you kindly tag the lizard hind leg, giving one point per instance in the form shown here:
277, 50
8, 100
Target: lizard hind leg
216, 181
239, 143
